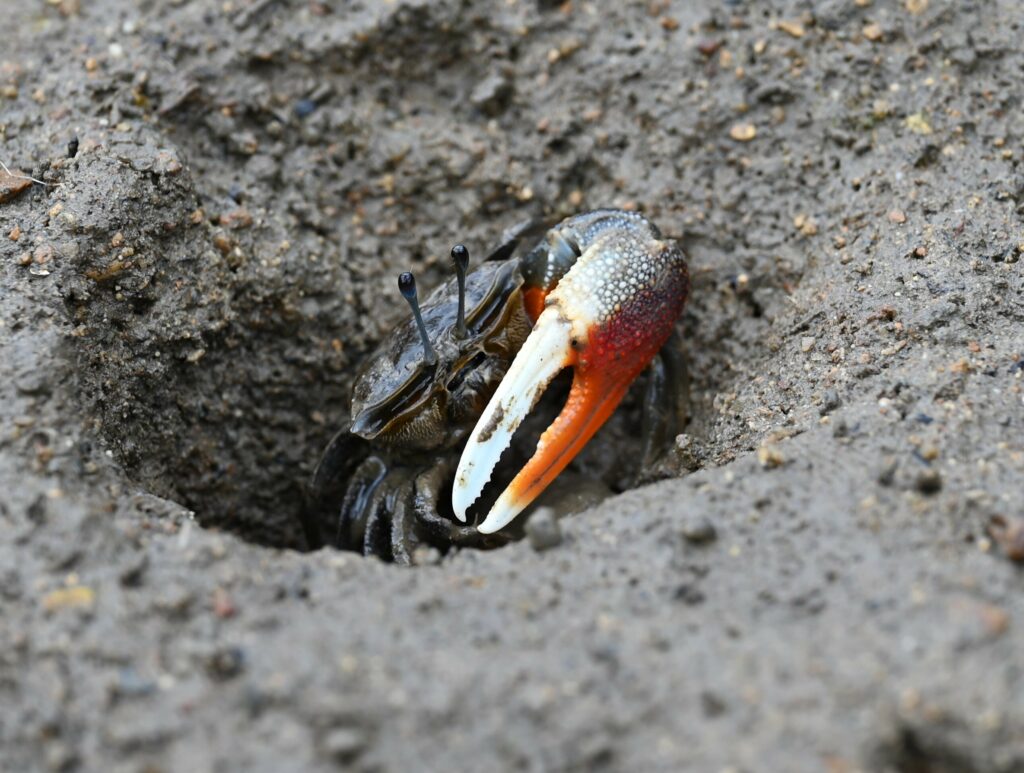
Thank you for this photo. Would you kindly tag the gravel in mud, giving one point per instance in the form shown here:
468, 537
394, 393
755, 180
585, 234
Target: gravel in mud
830, 581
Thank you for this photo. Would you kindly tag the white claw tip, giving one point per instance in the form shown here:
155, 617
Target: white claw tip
501, 515
539, 360
462, 497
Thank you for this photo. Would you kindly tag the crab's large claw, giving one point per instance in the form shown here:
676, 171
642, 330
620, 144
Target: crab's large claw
607, 318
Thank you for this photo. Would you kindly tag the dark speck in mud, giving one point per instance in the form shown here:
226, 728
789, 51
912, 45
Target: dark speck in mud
929, 481
304, 108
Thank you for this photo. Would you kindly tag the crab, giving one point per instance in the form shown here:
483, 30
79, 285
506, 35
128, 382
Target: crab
435, 407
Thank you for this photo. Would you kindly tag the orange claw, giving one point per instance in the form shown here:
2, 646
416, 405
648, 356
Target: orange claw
607, 318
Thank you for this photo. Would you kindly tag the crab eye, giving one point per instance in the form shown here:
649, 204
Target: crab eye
460, 256
407, 287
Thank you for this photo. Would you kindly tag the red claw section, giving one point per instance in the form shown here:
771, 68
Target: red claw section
615, 353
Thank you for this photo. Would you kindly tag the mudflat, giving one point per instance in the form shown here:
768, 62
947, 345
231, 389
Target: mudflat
829, 580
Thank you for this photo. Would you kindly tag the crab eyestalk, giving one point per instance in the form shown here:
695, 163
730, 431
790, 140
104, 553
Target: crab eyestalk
407, 287
607, 318
460, 256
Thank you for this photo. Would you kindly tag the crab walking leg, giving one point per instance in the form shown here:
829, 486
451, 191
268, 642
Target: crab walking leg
607, 318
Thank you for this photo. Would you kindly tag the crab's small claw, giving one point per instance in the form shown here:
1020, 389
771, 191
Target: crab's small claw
607, 318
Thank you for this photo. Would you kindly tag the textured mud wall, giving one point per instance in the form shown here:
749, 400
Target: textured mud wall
184, 299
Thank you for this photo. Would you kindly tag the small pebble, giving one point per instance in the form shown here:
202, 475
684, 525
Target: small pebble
223, 243
792, 28
1009, 534
712, 704
304, 107
829, 402
32, 382
130, 684
492, 95
709, 47
805, 225
226, 663
743, 132
426, 555
873, 32
806, 344
243, 143
689, 594
770, 457
699, 530
75, 597
542, 530
918, 124
236, 219
344, 744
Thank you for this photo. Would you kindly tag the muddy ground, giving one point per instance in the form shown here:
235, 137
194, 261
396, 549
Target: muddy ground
184, 302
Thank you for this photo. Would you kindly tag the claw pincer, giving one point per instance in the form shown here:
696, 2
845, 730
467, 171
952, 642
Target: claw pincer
619, 288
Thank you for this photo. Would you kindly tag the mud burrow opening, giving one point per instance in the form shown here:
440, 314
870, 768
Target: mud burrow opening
217, 376
203, 358
217, 363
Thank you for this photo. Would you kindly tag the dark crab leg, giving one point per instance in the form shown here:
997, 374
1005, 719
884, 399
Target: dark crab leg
606, 319
377, 524
665, 403
364, 486
403, 541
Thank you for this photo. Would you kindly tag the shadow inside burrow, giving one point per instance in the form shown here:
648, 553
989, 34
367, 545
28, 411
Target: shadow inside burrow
197, 364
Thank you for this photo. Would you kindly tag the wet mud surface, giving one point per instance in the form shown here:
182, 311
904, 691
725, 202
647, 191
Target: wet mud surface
831, 578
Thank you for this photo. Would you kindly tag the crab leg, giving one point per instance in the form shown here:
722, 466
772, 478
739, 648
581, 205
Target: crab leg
606, 319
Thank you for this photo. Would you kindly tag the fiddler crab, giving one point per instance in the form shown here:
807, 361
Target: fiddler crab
439, 401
